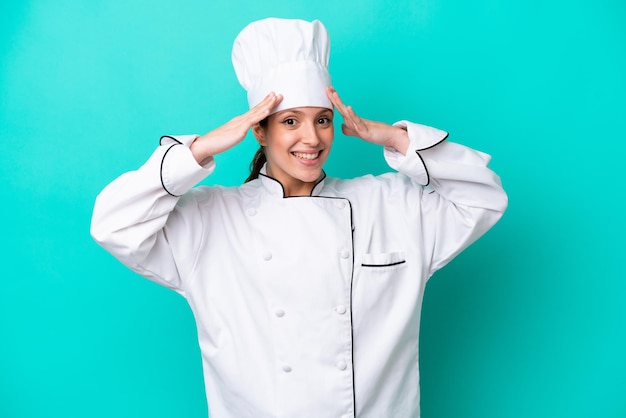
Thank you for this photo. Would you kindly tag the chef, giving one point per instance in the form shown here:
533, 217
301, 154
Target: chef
306, 289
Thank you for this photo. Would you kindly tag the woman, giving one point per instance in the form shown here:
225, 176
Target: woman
306, 289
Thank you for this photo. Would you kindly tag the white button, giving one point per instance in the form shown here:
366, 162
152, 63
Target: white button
252, 211
340, 309
345, 253
286, 368
267, 256
341, 204
279, 313
341, 365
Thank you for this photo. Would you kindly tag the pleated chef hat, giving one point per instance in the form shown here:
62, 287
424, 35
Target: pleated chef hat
286, 56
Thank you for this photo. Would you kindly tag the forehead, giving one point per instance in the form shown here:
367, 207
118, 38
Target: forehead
304, 111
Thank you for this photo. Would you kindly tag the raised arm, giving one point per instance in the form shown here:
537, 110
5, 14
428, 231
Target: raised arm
132, 215
458, 196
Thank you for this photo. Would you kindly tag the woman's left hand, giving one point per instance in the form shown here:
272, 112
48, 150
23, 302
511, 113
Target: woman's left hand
370, 131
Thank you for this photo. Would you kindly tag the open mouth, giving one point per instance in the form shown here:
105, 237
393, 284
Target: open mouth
309, 156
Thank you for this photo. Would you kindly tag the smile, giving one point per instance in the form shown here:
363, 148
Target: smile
306, 156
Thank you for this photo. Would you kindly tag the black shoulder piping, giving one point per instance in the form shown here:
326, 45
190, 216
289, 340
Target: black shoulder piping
161, 170
170, 137
423, 163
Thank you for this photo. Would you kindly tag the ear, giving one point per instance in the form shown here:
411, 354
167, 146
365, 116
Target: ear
259, 134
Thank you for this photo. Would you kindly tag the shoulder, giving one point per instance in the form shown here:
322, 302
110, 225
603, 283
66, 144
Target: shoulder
206, 195
386, 184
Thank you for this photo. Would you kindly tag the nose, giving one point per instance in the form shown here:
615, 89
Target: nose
310, 136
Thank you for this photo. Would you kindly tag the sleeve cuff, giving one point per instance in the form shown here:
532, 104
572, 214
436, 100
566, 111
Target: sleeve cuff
179, 169
178, 139
421, 137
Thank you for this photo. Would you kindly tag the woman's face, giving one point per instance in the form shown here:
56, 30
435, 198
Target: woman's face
297, 142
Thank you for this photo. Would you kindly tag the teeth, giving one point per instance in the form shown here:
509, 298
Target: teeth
304, 156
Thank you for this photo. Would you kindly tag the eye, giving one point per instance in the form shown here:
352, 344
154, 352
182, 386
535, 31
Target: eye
289, 121
324, 120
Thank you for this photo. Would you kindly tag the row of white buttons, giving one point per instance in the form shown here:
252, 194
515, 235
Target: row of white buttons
267, 256
341, 365
340, 309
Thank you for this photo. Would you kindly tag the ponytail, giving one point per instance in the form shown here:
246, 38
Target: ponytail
259, 158
256, 164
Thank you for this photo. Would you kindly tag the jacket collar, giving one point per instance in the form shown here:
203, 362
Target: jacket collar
275, 188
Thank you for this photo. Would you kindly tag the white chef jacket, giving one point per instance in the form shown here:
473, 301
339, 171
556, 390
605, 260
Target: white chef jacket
305, 306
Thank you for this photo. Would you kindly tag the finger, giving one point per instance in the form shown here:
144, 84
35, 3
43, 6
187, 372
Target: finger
352, 121
277, 100
356, 121
347, 112
260, 108
264, 107
266, 104
353, 124
333, 96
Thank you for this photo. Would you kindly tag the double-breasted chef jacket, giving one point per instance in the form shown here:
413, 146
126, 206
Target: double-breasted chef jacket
305, 306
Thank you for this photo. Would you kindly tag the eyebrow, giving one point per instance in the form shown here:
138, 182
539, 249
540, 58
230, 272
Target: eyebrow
299, 112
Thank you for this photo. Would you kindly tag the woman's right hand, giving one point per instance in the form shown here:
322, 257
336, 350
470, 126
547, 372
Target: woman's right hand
232, 132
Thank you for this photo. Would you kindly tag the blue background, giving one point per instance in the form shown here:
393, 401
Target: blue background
528, 322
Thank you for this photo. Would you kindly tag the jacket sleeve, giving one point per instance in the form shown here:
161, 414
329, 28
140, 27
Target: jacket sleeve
461, 197
130, 214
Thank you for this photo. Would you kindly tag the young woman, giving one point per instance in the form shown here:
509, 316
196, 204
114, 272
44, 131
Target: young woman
306, 289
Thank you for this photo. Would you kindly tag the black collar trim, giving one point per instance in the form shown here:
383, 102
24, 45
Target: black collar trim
323, 176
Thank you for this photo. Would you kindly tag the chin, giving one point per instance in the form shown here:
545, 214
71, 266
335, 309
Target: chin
311, 176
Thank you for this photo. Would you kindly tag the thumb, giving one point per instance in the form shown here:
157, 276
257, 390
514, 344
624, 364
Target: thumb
348, 131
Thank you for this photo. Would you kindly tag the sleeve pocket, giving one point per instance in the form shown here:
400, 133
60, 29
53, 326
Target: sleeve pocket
383, 259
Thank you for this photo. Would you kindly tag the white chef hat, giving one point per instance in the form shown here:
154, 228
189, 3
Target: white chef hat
286, 56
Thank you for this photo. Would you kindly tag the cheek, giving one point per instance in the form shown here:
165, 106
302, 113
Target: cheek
277, 138
329, 137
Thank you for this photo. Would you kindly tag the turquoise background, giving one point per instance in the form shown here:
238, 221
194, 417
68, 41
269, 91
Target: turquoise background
528, 322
